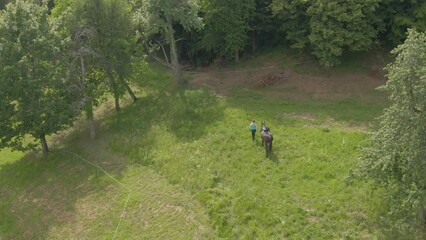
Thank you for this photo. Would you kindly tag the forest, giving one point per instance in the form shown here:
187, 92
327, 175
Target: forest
63, 61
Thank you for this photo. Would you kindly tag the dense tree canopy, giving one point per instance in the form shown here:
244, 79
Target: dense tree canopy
156, 20
111, 21
227, 26
264, 26
33, 95
3, 4
396, 157
328, 28
397, 16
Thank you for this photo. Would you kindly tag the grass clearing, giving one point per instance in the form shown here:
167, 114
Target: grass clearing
194, 173
203, 145
63, 197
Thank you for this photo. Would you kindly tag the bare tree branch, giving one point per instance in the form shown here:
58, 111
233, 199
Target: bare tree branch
162, 61
164, 51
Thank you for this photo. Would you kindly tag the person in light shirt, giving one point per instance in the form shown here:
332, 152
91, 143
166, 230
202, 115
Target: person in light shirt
253, 130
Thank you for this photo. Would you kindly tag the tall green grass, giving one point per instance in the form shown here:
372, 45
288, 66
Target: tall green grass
37, 196
64, 197
194, 173
202, 144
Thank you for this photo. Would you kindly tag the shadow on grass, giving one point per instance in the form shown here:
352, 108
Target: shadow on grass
186, 113
272, 108
39, 197
193, 113
273, 157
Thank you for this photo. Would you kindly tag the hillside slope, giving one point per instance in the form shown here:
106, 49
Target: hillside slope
186, 155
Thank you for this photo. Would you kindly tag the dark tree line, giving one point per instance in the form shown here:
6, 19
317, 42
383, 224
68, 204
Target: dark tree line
324, 28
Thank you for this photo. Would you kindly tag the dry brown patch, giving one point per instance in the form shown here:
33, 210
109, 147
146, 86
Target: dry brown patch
305, 116
333, 86
313, 220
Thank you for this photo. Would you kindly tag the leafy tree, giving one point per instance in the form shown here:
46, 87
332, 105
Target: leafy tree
85, 75
113, 25
156, 20
33, 96
328, 28
111, 38
295, 21
336, 26
227, 26
397, 16
264, 26
396, 157
3, 3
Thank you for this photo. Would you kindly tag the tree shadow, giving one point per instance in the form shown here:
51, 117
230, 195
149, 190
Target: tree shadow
44, 198
187, 113
193, 113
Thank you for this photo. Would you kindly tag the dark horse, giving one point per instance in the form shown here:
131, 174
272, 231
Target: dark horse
267, 138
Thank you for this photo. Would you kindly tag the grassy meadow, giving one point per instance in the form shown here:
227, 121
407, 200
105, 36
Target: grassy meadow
182, 165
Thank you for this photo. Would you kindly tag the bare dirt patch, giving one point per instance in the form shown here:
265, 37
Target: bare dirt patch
285, 82
305, 116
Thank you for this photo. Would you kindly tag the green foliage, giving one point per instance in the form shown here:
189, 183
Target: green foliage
156, 19
398, 16
264, 26
101, 35
33, 96
3, 4
396, 157
257, 30
111, 20
337, 26
112, 24
227, 25
152, 15
295, 21
328, 28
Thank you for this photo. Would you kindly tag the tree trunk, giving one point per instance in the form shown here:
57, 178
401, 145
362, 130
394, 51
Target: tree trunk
129, 90
88, 105
90, 121
83, 75
173, 52
114, 88
117, 103
92, 128
237, 57
253, 43
44, 146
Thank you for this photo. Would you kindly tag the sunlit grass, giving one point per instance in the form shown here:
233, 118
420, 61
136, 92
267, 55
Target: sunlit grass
203, 144
194, 173
8, 156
